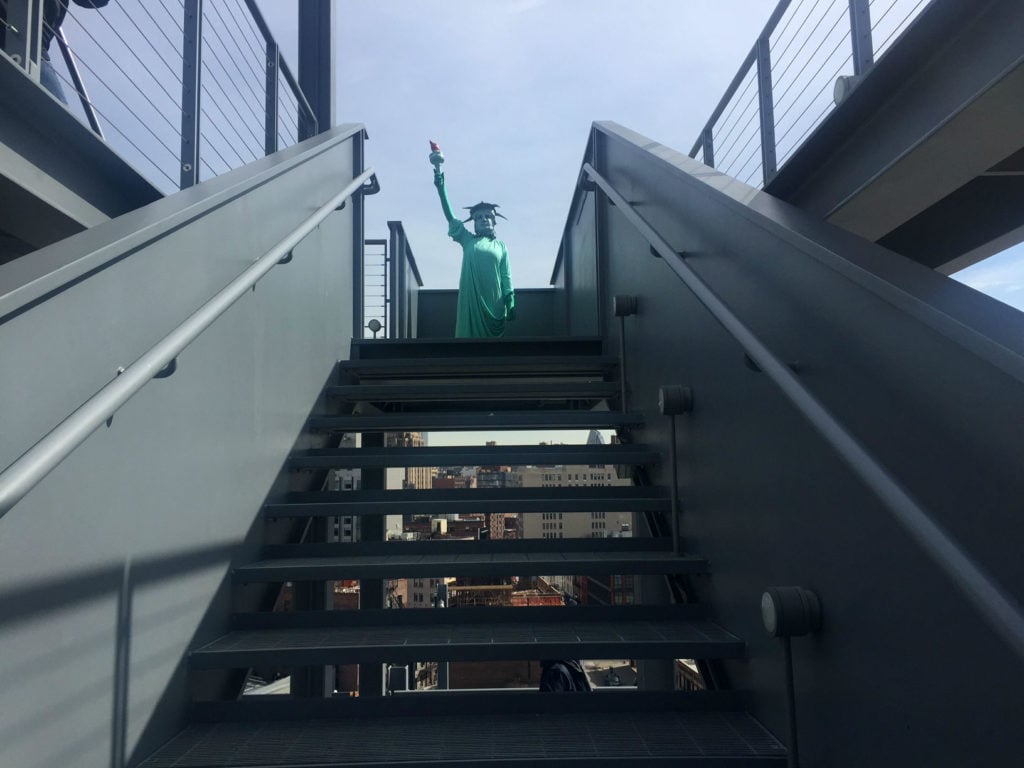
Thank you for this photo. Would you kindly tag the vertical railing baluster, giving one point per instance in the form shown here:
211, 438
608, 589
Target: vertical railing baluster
23, 39
191, 81
273, 81
708, 143
766, 107
860, 36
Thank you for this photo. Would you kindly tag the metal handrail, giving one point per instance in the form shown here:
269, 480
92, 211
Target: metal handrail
42, 458
1000, 609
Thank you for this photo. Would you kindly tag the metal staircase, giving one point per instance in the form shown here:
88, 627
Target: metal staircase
472, 385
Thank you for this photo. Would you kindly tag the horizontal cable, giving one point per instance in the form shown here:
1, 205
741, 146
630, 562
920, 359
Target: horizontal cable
811, 57
111, 124
782, 53
812, 79
807, 40
253, 114
813, 99
130, 78
898, 27
259, 95
722, 141
782, 32
744, 132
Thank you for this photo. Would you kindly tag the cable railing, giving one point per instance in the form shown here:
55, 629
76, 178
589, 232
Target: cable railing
184, 90
1003, 613
160, 361
787, 84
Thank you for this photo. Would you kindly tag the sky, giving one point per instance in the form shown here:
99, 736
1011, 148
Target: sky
509, 89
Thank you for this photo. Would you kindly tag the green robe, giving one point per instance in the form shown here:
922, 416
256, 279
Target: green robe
483, 286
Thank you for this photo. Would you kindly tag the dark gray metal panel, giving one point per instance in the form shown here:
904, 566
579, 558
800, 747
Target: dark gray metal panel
472, 564
538, 313
568, 639
429, 456
158, 486
609, 740
478, 421
926, 374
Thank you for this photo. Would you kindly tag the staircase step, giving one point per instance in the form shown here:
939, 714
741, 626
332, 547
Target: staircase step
448, 639
563, 729
536, 348
459, 421
460, 702
474, 391
637, 545
530, 365
484, 564
478, 456
486, 615
466, 500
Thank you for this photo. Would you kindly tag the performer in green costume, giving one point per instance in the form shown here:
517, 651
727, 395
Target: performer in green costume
486, 298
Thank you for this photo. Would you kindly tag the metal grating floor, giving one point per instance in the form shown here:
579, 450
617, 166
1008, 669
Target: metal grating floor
631, 738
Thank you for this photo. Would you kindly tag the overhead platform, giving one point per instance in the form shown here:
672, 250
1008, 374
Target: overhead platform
925, 155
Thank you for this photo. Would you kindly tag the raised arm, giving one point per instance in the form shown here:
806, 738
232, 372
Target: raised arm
436, 158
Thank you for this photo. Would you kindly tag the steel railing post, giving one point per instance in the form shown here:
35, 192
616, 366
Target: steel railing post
191, 81
23, 40
273, 81
766, 107
860, 36
707, 141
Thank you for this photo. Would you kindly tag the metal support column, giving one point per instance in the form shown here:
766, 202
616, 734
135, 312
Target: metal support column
707, 140
23, 40
358, 241
391, 288
766, 108
191, 77
316, 64
273, 81
76, 79
371, 591
860, 36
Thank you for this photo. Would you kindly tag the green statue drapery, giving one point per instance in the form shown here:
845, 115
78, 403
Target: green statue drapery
486, 298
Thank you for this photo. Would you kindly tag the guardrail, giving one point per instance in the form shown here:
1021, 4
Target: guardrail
37, 462
809, 54
993, 602
183, 89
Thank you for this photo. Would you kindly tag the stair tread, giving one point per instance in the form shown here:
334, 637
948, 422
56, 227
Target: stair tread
459, 641
536, 347
414, 566
503, 500
504, 455
450, 391
619, 738
479, 366
459, 421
